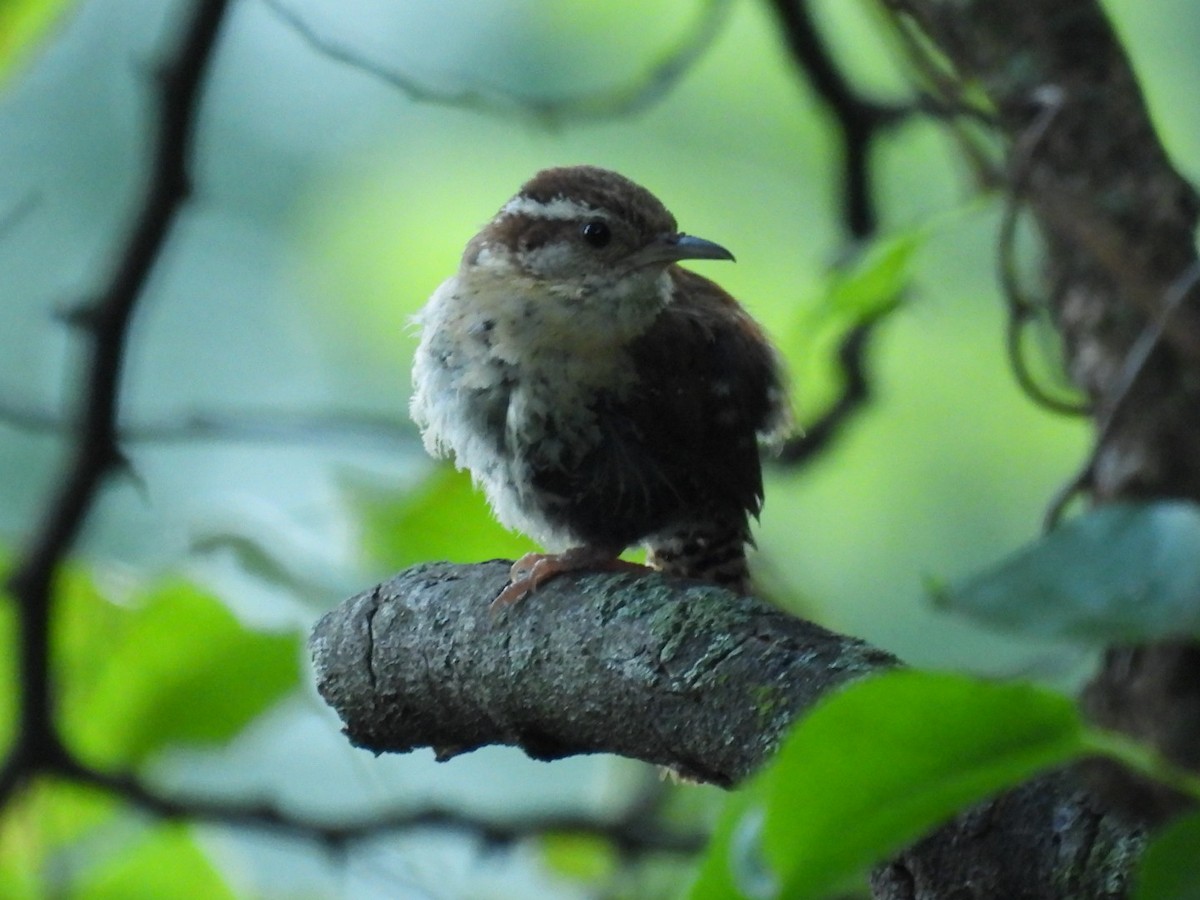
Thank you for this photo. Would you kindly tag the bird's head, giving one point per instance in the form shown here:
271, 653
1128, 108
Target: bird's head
584, 232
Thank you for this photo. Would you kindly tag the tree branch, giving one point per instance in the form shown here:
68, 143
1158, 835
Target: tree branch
675, 673
246, 425
1119, 226
95, 453
1117, 216
684, 675
1050, 839
859, 120
634, 832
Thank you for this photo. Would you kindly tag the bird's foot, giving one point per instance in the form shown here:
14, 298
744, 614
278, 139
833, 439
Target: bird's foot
533, 570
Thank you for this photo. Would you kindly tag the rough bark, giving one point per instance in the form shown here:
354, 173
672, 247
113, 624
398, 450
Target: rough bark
684, 675
679, 674
1050, 839
1118, 223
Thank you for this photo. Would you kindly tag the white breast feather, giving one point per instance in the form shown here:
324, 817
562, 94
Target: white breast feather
552, 363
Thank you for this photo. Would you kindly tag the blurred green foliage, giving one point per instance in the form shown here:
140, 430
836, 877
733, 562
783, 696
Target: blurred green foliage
42, 835
579, 857
22, 24
166, 666
61, 840
1168, 870
444, 518
160, 668
1120, 574
873, 767
329, 206
165, 862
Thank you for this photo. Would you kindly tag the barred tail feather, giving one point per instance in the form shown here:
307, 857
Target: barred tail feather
705, 552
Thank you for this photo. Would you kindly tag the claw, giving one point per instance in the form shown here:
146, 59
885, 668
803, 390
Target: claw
523, 579
533, 570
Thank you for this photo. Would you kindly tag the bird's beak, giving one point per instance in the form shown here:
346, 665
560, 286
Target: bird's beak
669, 248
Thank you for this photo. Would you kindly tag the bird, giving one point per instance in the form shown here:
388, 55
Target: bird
600, 395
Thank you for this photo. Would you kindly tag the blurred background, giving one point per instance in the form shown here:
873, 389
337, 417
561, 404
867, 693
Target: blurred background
345, 153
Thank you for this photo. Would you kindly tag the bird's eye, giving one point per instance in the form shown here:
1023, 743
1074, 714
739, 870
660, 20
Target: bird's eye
596, 233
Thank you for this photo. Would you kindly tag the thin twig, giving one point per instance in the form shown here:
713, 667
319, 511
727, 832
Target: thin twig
859, 120
608, 103
1150, 338
1021, 309
633, 833
855, 394
273, 426
946, 100
94, 454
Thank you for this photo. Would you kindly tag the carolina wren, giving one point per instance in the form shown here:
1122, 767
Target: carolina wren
600, 395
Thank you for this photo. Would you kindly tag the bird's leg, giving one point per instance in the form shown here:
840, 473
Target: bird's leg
534, 569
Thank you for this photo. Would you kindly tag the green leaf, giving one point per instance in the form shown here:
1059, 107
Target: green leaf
446, 518
874, 284
8, 667
43, 830
582, 857
1142, 759
171, 666
874, 767
1168, 869
1121, 572
733, 866
865, 288
166, 863
22, 23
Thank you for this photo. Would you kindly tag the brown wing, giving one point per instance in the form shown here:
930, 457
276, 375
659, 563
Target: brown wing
682, 447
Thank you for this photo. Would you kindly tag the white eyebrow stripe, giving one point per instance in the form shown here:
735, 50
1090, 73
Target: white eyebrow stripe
556, 208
